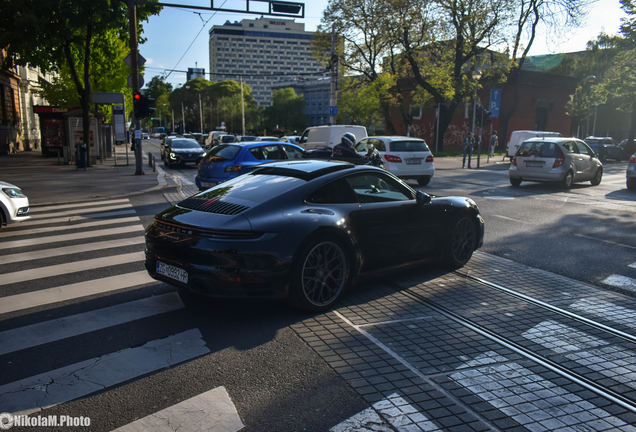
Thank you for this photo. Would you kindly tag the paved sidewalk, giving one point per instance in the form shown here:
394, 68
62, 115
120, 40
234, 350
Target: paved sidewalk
45, 182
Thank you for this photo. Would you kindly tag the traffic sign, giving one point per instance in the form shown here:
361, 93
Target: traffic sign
141, 81
495, 102
140, 60
333, 110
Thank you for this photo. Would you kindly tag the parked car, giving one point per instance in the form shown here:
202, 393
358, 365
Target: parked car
210, 141
182, 151
305, 231
328, 136
563, 160
268, 139
404, 157
628, 148
14, 205
291, 139
200, 138
226, 161
144, 135
606, 148
631, 173
243, 138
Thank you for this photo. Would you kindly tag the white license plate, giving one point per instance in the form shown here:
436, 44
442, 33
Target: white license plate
172, 272
190, 163
413, 161
535, 164
208, 184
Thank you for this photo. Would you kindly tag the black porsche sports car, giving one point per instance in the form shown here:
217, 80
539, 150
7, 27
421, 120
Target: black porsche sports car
304, 230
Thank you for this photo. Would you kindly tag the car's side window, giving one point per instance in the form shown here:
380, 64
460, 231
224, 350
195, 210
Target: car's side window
292, 152
335, 192
257, 153
373, 187
584, 149
362, 145
378, 144
571, 147
271, 152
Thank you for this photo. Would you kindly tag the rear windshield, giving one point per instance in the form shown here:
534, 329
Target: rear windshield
540, 149
222, 153
257, 188
408, 146
593, 141
185, 144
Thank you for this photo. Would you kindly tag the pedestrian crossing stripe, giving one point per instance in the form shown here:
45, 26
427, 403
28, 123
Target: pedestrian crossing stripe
77, 211
70, 237
30, 223
98, 223
37, 209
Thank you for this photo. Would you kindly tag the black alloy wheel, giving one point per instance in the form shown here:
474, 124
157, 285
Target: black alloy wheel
321, 275
461, 244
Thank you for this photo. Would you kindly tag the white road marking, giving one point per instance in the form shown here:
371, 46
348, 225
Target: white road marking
69, 219
605, 241
620, 282
607, 310
76, 212
529, 399
80, 379
499, 197
67, 250
74, 291
513, 220
72, 267
632, 265
77, 205
587, 350
70, 237
211, 411
397, 411
71, 227
62, 328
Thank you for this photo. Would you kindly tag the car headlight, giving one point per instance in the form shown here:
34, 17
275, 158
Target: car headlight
13, 193
173, 156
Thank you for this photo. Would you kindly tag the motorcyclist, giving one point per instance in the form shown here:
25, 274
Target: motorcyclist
373, 156
346, 148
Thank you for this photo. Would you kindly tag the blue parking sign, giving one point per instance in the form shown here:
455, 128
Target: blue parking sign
333, 110
495, 102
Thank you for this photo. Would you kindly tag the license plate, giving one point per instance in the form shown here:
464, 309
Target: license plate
190, 163
172, 272
208, 184
535, 164
413, 161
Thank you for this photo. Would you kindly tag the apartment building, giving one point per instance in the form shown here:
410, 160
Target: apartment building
263, 51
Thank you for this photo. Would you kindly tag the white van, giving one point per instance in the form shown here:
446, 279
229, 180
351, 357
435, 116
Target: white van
210, 141
518, 137
329, 136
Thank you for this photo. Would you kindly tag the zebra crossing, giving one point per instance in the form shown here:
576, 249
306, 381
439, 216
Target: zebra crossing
72, 254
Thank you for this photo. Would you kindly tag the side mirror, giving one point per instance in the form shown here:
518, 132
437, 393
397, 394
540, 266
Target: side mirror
421, 198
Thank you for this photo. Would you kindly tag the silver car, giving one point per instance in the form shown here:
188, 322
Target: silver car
631, 173
563, 160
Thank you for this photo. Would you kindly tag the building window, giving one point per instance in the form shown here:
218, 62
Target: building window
415, 111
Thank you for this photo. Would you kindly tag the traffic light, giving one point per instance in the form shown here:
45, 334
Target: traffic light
482, 117
142, 105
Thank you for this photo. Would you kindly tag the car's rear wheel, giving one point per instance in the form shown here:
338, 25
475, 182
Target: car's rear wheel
423, 181
320, 274
1, 219
567, 181
461, 244
597, 177
631, 184
515, 181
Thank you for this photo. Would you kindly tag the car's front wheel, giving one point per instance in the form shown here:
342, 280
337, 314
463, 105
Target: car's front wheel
1, 219
597, 177
320, 275
461, 244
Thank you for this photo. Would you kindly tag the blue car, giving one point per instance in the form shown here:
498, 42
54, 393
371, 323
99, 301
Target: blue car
226, 161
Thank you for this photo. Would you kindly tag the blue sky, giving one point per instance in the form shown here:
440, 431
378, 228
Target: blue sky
178, 37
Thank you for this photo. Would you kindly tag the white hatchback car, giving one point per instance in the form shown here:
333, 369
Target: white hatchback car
404, 157
14, 205
563, 160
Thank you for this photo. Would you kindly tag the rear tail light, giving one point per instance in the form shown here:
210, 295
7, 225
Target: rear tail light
558, 162
514, 161
632, 159
391, 158
430, 158
232, 168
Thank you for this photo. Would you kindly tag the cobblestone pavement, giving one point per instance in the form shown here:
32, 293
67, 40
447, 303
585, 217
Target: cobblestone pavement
494, 346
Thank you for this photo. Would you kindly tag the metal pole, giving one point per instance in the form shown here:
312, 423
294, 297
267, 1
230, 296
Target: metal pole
200, 112
334, 65
481, 122
439, 108
595, 113
134, 69
242, 108
172, 119
182, 119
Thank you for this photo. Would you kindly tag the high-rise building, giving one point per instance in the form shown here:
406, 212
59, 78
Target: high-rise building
263, 51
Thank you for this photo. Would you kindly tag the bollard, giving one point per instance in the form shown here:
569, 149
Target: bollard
154, 164
149, 159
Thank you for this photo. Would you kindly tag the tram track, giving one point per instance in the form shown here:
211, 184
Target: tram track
551, 365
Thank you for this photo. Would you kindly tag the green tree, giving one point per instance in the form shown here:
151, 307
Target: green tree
52, 34
287, 111
157, 87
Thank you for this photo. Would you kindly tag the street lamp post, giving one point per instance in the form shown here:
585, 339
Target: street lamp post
476, 76
596, 104
590, 79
